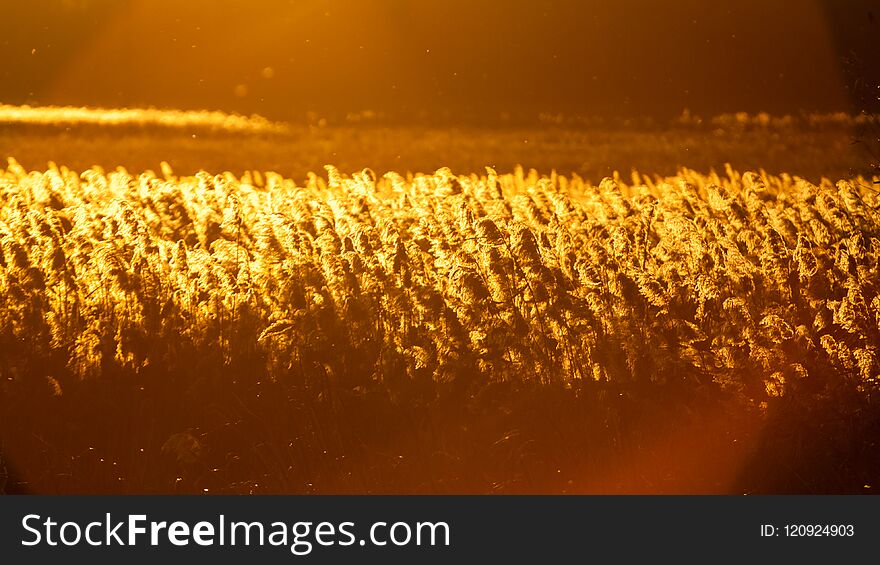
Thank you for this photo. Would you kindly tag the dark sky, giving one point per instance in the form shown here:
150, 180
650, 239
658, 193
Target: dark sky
456, 59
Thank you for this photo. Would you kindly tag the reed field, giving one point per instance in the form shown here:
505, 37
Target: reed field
490, 331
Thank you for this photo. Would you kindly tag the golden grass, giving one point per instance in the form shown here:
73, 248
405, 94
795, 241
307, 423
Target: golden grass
62, 116
750, 281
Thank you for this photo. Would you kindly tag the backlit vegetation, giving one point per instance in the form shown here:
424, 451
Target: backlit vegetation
65, 116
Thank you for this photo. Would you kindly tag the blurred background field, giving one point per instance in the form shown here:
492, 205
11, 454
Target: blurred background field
591, 151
